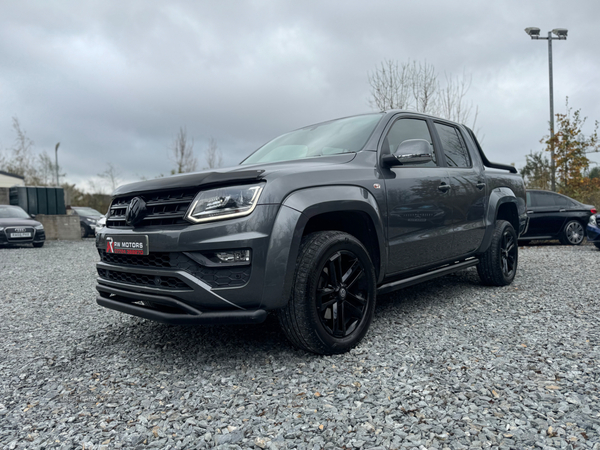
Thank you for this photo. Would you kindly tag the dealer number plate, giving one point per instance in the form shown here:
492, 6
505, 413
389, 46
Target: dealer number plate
18, 235
127, 244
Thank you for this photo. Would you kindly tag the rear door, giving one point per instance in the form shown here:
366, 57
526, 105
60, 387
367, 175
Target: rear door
545, 215
468, 189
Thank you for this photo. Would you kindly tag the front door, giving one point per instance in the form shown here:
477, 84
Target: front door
419, 206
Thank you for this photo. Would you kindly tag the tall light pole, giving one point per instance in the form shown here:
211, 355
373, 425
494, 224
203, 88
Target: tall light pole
561, 34
56, 162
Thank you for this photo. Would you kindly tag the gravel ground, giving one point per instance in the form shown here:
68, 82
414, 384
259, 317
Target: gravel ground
447, 364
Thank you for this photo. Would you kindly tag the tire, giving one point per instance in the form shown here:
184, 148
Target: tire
83, 232
38, 244
335, 267
597, 244
573, 233
498, 265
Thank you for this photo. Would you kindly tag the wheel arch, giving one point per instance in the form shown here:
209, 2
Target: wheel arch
503, 205
351, 209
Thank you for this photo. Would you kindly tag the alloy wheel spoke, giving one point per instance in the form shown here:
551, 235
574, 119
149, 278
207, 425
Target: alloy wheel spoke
353, 311
360, 299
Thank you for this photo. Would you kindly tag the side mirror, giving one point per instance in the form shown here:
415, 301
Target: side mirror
412, 151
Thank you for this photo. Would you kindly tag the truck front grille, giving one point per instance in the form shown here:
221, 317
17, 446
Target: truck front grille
163, 208
215, 277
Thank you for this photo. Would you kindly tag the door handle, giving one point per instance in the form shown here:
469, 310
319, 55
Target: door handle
529, 212
444, 187
480, 185
561, 210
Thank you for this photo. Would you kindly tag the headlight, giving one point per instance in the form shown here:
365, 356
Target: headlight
593, 220
224, 203
92, 221
38, 227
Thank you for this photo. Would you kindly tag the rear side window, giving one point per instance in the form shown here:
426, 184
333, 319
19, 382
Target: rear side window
542, 199
453, 146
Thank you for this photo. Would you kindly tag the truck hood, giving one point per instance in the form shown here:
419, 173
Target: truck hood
233, 174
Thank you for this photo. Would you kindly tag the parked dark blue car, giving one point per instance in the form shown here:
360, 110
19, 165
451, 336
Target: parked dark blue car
593, 230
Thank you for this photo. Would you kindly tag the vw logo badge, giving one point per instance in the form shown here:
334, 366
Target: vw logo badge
136, 211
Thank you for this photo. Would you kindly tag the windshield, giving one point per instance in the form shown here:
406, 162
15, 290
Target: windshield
13, 212
87, 212
324, 139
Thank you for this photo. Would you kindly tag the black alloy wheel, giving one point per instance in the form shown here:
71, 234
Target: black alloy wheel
333, 295
508, 252
342, 293
573, 233
498, 264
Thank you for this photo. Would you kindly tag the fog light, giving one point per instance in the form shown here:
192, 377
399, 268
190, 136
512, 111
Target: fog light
234, 256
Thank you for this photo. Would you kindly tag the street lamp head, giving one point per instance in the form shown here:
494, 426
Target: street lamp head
533, 31
560, 32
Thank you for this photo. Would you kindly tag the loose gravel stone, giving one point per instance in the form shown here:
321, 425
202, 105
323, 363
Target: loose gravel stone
449, 364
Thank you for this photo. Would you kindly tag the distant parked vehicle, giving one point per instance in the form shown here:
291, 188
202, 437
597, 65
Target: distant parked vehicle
556, 216
593, 230
88, 220
18, 227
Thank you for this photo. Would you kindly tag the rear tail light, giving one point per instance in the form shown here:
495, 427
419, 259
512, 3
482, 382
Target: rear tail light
594, 210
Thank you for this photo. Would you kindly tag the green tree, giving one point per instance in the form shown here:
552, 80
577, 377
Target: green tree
571, 146
537, 172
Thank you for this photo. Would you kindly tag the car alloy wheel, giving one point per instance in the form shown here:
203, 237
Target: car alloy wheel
574, 233
341, 294
508, 251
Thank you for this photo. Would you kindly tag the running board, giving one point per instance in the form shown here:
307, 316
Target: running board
390, 287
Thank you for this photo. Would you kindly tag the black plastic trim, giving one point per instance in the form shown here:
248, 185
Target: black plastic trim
390, 287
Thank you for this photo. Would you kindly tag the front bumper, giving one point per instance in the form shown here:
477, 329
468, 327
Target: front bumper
174, 284
37, 236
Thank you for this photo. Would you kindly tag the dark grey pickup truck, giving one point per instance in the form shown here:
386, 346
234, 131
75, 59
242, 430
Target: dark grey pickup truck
312, 226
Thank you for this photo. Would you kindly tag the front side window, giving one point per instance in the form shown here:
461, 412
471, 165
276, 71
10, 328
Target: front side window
329, 138
453, 146
404, 130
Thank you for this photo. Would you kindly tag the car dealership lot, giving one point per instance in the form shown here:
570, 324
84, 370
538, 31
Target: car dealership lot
448, 363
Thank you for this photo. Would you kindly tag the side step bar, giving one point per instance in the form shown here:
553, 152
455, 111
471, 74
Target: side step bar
395, 285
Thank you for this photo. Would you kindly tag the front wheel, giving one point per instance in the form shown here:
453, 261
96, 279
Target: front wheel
83, 231
333, 299
572, 233
498, 265
597, 244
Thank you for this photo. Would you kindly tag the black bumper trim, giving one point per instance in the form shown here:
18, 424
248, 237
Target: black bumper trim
194, 316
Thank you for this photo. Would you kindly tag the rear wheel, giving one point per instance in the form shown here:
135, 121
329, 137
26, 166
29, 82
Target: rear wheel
572, 233
498, 265
333, 299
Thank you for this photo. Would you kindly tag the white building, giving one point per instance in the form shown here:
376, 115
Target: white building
10, 179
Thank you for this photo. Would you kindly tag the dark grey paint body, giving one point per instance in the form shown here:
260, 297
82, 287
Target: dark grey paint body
451, 224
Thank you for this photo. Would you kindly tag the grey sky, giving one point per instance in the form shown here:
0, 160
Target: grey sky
114, 81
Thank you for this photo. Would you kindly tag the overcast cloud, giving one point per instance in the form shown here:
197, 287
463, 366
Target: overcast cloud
113, 81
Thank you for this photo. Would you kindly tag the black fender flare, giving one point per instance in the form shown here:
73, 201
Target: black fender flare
295, 212
498, 197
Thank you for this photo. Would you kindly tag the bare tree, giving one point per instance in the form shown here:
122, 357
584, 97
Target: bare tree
390, 86
415, 85
182, 153
19, 159
111, 176
213, 155
425, 87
